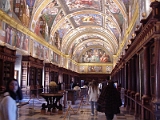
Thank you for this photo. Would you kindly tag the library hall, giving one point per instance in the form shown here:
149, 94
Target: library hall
79, 59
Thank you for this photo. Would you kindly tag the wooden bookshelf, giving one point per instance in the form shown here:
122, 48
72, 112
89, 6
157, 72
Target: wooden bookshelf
31, 71
7, 62
50, 73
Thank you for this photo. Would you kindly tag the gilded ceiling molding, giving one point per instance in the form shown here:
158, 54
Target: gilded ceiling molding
95, 64
91, 28
77, 38
111, 39
37, 14
53, 29
86, 41
15, 24
111, 49
68, 57
114, 60
85, 49
86, 12
129, 30
90, 40
7, 19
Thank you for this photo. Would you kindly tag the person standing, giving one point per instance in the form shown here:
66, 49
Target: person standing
73, 83
93, 93
8, 105
111, 96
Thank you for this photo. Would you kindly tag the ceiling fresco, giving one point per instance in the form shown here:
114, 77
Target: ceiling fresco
94, 56
83, 4
79, 27
86, 19
86, 42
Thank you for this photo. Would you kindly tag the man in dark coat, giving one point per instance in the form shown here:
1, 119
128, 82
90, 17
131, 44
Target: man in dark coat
110, 98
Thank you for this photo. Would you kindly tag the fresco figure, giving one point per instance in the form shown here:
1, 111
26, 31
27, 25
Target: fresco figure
8, 30
12, 36
22, 40
18, 40
25, 44
46, 33
46, 53
38, 50
104, 58
5, 5
26, 16
113, 7
95, 56
87, 2
30, 3
86, 57
37, 28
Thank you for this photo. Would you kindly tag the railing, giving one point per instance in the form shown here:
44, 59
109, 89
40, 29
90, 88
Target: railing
143, 112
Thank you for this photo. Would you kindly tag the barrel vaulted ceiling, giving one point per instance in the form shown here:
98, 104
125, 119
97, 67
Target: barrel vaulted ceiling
82, 25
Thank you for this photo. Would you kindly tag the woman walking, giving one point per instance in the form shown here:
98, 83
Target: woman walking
93, 93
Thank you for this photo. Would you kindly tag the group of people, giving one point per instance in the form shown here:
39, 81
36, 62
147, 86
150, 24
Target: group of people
109, 98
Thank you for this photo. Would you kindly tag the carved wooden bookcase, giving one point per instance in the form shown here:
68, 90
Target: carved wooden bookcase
7, 62
51, 73
31, 72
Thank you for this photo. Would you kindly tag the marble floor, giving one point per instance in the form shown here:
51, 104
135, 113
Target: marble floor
32, 111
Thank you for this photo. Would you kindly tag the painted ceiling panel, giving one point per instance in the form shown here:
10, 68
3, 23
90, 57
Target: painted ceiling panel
85, 19
88, 41
72, 22
113, 7
58, 18
50, 12
83, 4
64, 28
95, 55
77, 26
109, 38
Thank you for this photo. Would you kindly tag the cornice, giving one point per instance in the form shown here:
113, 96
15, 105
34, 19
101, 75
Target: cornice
14, 23
95, 64
128, 31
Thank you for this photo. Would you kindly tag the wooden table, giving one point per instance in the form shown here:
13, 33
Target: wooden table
52, 99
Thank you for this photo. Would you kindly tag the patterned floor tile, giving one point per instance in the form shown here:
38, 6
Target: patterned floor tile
32, 111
